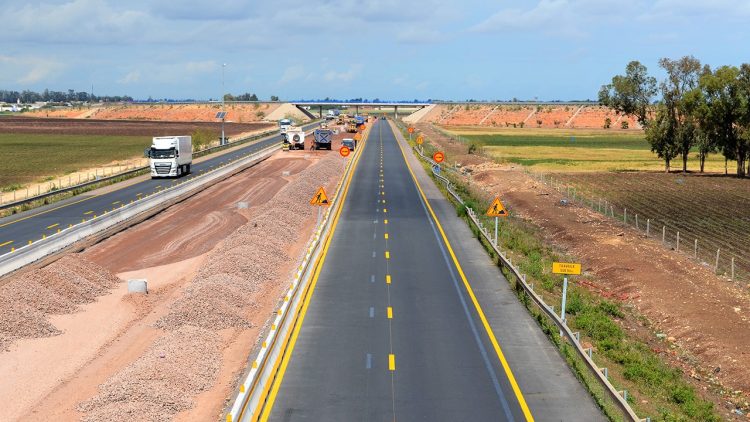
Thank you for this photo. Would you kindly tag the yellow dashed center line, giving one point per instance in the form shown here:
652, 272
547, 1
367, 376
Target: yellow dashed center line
53, 226
386, 236
385, 221
6, 243
116, 202
390, 312
387, 255
391, 362
388, 279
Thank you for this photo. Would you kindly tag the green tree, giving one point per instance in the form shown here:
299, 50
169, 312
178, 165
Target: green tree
682, 77
631, 93
726, 91
660, 133
274, 98
229, 97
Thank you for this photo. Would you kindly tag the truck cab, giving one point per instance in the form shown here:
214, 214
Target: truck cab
284, 125
170, 156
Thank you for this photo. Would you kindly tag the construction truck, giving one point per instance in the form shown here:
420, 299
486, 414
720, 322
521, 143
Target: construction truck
351, 126
323, 138
284, 125
295, 137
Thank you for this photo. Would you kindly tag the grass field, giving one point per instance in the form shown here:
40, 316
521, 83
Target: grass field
559, 150
27, 158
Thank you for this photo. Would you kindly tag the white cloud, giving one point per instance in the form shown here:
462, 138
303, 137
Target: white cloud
28, 70
131, 77
206, 66
292, 73
343, 76
419, 35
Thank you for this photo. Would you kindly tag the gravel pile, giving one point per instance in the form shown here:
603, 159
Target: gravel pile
27, 299
157, 385
222, 295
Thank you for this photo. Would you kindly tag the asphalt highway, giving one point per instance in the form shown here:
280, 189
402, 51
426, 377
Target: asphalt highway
392, 331
18, 230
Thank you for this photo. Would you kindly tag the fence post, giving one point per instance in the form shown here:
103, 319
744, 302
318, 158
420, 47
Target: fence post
636, 221
732, 268
663, 234
625, 216
678, 241
695, 249
648, 226
716, 266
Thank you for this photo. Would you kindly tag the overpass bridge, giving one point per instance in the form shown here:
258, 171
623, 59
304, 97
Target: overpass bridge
357, 105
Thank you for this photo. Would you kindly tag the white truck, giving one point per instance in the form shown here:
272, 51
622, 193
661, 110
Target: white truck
284, 125
170, 156
295, 137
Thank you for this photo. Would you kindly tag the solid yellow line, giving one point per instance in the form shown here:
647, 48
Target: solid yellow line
53, 226
391, 362
470, 291
390, 312
6, 243
289, 348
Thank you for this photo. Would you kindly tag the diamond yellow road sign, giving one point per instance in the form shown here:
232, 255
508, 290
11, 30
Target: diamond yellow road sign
420, 139
320, 198
566, 268
497, 209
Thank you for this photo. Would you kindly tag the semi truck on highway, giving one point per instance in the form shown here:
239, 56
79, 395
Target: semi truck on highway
323, 138
170, 156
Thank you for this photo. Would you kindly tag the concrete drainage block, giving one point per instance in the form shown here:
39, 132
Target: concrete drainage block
242, 205
285, 173
138, 286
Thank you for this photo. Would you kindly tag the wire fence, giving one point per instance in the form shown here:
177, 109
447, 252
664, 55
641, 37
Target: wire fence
718, 256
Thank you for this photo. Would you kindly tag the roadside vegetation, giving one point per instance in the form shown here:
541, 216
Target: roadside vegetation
654, 388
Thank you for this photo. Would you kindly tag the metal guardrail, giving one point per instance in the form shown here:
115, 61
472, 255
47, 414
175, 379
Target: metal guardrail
253, 390
129, 173
619, 398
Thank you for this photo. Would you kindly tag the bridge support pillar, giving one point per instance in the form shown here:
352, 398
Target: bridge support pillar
320, 111
395, 112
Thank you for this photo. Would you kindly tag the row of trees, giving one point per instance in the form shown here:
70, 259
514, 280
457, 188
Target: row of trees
699, 109
27, 96
246, 97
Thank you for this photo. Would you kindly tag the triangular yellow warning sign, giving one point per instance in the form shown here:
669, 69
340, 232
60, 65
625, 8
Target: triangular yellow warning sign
320, 198
497, 209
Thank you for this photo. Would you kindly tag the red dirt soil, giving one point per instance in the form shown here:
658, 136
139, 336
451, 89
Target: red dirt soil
705, 318
587, 117
117, 127
239, 113
111, 336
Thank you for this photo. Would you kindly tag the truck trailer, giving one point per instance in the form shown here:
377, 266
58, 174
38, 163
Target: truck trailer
170, 156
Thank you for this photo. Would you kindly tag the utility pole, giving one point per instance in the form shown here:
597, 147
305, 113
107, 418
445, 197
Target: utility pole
223, 109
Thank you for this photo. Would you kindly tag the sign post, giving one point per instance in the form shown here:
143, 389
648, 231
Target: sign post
320, 200
497, 209
420, 140
566, 268
410, 130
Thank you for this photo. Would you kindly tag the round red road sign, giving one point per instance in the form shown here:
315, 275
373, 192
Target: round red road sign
344, 151
439, 157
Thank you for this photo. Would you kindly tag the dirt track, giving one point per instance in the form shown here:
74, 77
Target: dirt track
704, 317
176, 352
117, 127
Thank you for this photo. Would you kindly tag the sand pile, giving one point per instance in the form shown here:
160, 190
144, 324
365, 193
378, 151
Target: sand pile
27, 299
222, 295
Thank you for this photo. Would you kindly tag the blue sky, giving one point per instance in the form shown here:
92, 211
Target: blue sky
549, 49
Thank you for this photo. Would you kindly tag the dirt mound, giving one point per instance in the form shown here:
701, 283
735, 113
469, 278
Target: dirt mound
239, 113
157, 386
27, 299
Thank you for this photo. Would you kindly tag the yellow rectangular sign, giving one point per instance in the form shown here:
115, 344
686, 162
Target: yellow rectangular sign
566, 268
